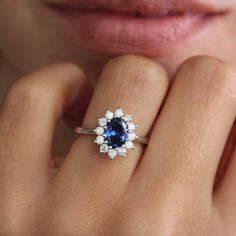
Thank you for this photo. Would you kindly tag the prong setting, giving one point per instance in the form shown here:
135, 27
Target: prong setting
115, 133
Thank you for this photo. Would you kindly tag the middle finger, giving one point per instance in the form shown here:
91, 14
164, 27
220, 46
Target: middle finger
190, 135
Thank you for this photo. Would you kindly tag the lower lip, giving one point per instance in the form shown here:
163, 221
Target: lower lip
115, 34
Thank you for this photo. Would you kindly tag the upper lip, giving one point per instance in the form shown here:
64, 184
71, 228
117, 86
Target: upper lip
140, 7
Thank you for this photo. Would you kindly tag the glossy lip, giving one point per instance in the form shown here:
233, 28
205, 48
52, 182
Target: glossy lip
114, 31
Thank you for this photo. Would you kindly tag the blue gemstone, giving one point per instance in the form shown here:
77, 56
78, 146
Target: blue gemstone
115, 132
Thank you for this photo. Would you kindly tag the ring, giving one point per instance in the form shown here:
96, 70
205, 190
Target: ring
115, 133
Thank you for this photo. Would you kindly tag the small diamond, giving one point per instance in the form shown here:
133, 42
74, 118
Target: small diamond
112, 153
104, 148
129, 145
102, 122
121, 152
128, 117
132, 126
109, 115
99, 130
119, 113
99, 140
132, 136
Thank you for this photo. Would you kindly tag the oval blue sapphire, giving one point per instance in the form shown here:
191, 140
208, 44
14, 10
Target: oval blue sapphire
115, 132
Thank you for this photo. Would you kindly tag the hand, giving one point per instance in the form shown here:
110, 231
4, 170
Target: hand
165, 189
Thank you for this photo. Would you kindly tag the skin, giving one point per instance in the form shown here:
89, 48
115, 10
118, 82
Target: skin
171, 187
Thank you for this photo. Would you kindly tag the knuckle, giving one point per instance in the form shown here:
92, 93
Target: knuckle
26, 95
141, 72
69, 66
197, 61
58, 68
203, 67
33, 93
210, 75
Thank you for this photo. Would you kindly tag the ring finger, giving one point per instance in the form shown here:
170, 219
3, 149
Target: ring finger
137, 85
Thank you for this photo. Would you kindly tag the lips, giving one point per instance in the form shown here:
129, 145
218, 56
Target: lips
142, 6
132, 26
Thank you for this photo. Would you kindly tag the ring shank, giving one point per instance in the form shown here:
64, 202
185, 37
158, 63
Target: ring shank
80, 130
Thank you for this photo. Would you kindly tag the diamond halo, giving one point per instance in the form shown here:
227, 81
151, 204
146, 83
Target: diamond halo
115, 133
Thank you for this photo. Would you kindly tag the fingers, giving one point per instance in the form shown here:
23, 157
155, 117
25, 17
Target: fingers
189, 137
137, 85
28, 118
